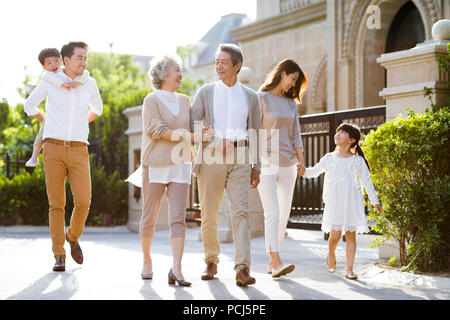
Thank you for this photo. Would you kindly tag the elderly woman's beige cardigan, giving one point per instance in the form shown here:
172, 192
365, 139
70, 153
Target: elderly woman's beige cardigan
156, 118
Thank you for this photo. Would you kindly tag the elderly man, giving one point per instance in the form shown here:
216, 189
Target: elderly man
66, 130
233, 111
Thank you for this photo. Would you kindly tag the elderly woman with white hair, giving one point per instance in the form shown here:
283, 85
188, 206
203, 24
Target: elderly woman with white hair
165, 161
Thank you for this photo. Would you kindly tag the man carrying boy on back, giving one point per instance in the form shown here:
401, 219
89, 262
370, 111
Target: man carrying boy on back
66, 130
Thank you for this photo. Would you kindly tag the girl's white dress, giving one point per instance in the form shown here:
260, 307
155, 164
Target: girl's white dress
342, 194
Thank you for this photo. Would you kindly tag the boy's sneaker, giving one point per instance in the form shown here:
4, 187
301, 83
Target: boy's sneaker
33, 162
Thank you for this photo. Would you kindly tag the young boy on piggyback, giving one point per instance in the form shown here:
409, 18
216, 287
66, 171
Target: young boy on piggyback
50, 59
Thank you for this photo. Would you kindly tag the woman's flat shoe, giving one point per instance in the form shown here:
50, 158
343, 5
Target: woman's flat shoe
332, 268
283, 270
351, 276
148, 276
181, 283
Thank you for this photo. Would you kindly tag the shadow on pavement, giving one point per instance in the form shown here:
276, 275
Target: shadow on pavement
219, 290
147, 291
297, 291
69, 286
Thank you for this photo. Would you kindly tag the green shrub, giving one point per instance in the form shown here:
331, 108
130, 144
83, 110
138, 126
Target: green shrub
23, 199
109, 204
409, 160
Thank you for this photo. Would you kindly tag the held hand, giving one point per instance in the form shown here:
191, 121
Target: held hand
254, 179
301, 169
66, 86
207, 134
74, 84
379, 209
70, 85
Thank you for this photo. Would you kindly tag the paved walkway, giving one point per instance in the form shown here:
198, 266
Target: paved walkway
113, 263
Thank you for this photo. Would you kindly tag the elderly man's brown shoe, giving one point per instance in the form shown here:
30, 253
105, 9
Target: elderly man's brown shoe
60, 264
75, 250
243, 278
210, 271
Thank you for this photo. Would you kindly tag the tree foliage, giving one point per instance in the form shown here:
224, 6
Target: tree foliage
122, 85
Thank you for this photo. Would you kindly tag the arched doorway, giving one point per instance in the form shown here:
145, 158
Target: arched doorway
406, 30
402, 27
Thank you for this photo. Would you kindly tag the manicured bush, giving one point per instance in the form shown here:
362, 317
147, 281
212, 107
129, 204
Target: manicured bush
23, 199
410, 167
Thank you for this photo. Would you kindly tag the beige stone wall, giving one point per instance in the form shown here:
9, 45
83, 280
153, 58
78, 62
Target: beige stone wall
267, 8
306, 45
408, 73
332, 43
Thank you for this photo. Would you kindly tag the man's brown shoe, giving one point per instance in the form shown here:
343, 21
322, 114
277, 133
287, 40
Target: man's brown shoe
210, 271
60, 264
243, 278
75, 250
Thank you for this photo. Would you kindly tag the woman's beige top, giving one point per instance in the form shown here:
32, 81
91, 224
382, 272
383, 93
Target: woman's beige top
280, 113
157, 118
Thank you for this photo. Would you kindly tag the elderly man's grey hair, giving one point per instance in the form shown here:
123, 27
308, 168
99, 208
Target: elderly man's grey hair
159, 68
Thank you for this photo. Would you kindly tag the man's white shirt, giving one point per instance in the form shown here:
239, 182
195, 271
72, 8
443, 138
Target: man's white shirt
67, 111
230, 111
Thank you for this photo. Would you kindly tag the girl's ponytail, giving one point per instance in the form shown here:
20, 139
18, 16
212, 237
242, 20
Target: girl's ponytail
360, 152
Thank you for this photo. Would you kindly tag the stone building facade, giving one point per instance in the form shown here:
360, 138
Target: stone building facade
199, 62
337, 43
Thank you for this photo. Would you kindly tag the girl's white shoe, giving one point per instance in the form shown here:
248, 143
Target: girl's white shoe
32, 162
332, 268
351, 276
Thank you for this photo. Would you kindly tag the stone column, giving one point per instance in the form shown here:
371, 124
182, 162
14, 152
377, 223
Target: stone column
410, 71
332, 22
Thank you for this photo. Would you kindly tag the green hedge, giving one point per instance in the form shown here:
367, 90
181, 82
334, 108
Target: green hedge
410, 167
23, 199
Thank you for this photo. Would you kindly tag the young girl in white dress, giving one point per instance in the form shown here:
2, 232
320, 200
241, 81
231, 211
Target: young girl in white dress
346, 172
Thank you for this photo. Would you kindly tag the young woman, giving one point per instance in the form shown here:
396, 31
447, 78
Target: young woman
281, 151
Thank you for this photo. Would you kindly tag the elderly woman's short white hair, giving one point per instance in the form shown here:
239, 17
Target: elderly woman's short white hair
159, 68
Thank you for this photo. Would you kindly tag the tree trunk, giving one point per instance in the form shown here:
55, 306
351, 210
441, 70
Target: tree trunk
403, 251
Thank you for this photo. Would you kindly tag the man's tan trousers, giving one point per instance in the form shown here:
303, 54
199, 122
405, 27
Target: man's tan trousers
212, 180
72, 162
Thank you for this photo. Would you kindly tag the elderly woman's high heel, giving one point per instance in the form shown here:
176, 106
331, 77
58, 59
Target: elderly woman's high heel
173, 279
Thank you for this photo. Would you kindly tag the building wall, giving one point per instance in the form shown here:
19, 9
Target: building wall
306, 45
332, 42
